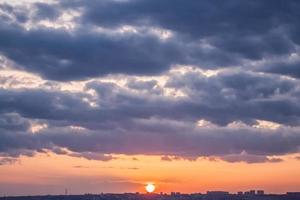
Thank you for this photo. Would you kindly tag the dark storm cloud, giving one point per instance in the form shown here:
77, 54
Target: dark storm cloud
220, 99
46, 11
43, 104
285, 68
251, 29
137, 121
60, 55
11, 13
14, 144
13, 122
209, 34
240, 96
197, 142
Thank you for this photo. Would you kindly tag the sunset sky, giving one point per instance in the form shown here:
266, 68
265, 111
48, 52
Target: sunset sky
109, 95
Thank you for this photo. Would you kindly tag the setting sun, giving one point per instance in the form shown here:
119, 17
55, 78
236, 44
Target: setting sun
150, 187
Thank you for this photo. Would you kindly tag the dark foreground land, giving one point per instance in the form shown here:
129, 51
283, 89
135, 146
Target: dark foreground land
173, 196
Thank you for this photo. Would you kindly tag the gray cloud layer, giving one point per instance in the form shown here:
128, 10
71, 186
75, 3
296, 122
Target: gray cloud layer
132, 120
255, 44
209, 34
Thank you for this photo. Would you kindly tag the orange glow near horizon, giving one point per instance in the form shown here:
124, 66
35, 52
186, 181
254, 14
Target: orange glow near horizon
48, 174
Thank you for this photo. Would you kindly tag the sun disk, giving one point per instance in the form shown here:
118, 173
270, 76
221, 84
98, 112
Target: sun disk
150, 187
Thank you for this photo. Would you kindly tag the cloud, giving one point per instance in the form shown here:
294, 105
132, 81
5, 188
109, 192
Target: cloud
13, 122
62, 54
46, 11
12, 14
132, 120
174, 158
284, 68
244, 157
229, 26
128, 77
196, 142
92, 156
80, 167
234, 96
166, 158
117, 37
8, 161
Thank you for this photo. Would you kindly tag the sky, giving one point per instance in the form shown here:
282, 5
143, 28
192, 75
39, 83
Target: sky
106, 96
